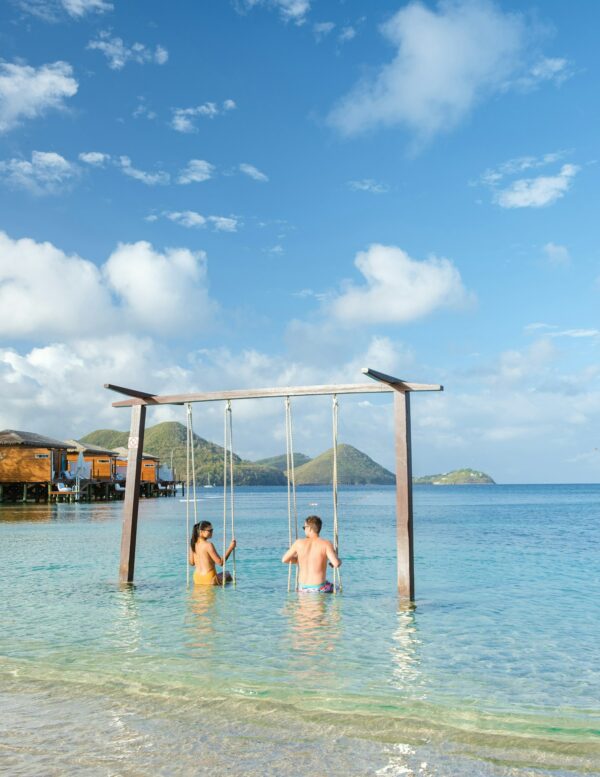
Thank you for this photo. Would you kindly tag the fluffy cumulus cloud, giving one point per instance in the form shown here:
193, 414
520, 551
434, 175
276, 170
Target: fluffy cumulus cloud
57, 389
253, 172
94, 158
46, 173
27, 92
196, 171
398, 289
159, 291
45, 293
539, 191
447, 59
118, 54
183, 118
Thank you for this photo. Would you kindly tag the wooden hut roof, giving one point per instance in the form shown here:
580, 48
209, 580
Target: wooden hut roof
12, 438
123, 453
86, 447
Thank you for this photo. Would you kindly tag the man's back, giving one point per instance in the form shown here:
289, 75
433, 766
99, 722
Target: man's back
312, 559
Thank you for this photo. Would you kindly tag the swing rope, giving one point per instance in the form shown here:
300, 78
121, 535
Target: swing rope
291, 486
190, 468
337, 580
228, 480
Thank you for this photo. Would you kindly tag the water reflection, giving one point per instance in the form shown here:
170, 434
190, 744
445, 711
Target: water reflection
69, 511
315, 623
127, 636
406, 669
19, 513
200, 621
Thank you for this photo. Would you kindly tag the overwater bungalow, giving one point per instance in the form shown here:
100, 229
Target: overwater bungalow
30, 465
102, 461
149, 480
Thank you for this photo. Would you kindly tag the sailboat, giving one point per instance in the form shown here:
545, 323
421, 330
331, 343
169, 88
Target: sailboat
208, 484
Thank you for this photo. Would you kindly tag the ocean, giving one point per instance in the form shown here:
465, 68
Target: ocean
494, 671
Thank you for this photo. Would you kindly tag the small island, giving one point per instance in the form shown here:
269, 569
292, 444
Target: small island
458, 477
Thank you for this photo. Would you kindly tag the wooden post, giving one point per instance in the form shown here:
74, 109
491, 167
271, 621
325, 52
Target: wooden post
404, 507
132, 493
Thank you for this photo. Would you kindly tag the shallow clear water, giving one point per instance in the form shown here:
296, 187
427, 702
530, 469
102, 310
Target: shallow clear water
495, 672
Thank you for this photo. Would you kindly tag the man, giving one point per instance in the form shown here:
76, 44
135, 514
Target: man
311, 555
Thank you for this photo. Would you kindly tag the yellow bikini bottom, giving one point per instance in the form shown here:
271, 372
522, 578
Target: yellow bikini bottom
206, 578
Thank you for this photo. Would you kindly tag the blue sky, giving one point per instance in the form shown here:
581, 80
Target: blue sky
279, 192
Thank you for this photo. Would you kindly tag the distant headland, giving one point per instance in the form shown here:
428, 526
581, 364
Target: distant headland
458, 477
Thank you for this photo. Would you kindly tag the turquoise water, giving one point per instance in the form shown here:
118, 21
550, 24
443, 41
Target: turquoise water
495, 672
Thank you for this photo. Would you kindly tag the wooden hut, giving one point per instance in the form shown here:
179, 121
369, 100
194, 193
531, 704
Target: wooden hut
29, 464
149, 474
150, 465
102, 461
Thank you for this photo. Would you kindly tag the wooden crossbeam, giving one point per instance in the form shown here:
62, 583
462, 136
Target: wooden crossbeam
385, 383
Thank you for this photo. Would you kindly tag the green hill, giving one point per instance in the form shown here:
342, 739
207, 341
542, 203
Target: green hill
354, 468
107, 438
280, 462
458, 477
170, 437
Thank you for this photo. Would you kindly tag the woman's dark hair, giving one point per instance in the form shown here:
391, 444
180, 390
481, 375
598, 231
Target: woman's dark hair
198, 527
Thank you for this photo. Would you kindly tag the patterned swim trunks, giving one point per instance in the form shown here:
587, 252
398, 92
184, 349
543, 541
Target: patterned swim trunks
320, 588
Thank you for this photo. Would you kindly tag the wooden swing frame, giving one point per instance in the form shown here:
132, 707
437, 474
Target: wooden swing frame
138, 401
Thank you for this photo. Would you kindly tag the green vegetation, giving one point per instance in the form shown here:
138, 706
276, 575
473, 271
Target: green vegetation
162, 440
280, 462
170, 437
458, 477
107, 438
354, 468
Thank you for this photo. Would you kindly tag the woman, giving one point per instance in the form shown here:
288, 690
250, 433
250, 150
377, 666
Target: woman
203, 555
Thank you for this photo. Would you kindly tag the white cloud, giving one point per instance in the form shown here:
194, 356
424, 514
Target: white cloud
554, 69
537, 192
183, 118
447, 60
160, 291
94, 158
224, 223
253, 172
47, 173
368, 185
191, 219
79, 8
150, 179
187, 218
57, 388
577, 333
493, 176
52, 10
346, 34
45, 293
557, 254
322, 29
142, 109
290, 10
118, 54
27, 92
398, 289
196, 171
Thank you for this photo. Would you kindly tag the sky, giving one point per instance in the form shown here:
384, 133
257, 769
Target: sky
247, 193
